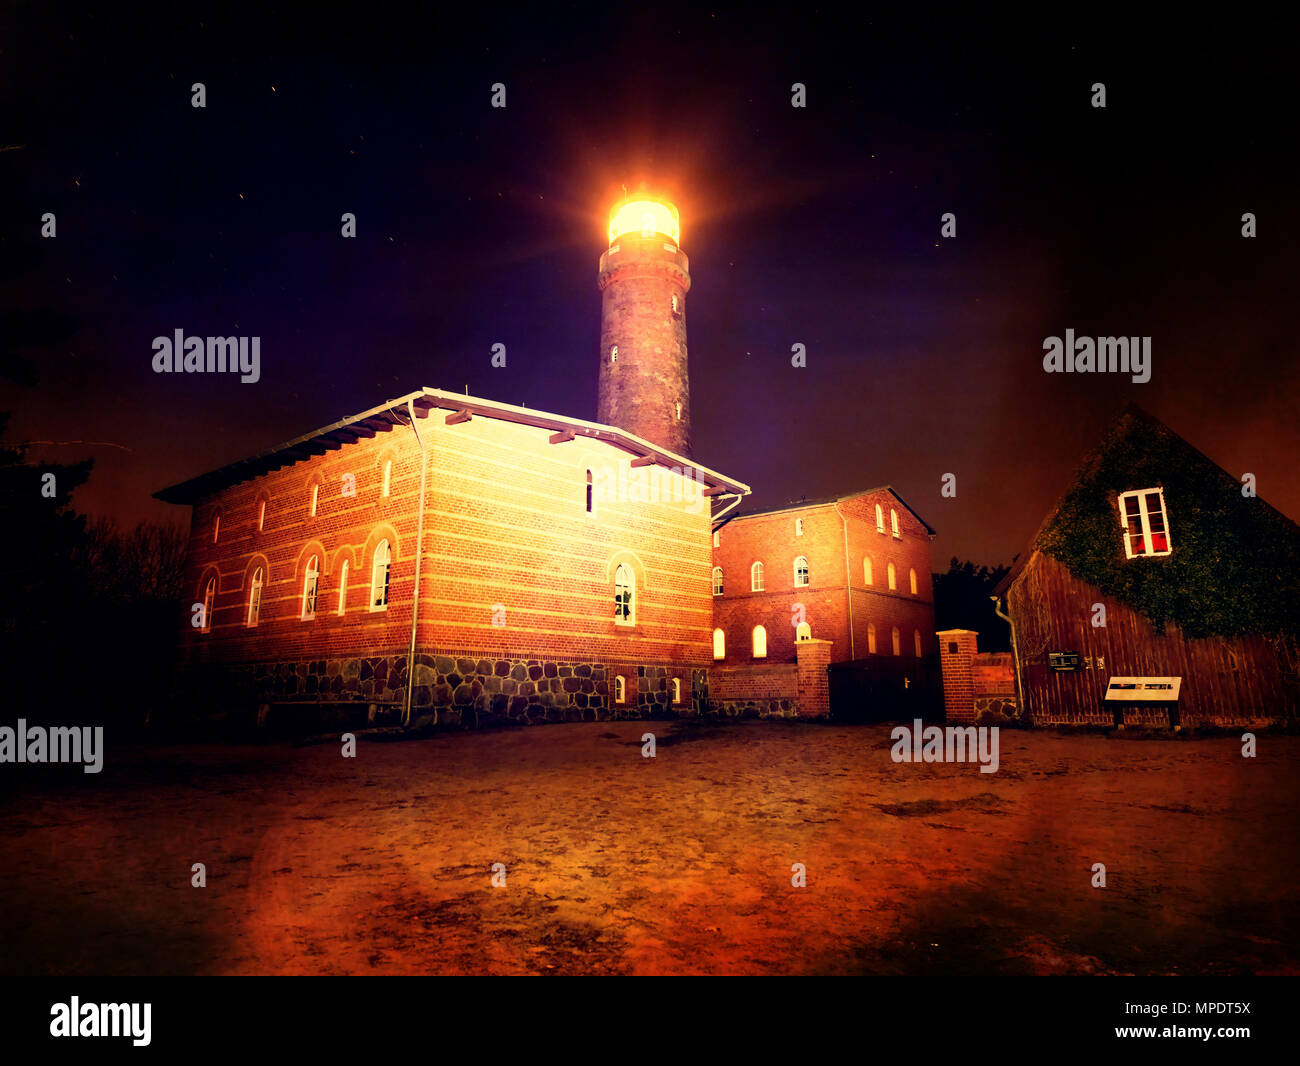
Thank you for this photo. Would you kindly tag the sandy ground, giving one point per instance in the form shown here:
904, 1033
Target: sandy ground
679, 864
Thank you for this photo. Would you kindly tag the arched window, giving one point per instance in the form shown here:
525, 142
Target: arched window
613, 354
756, 577
760, 642
871, 639
255, 598
803, 631
801, 572
620, 689
892, 575
719, 644
898, 641
798, 527
677, 306
880, 519
315, 499
911, 579
677, 690
379, 573
866, 570
916, 640
717, 581
624, 596
209, 603
386, 486
261, 516
591, 493
216, 528
678, 408
717, 540
343, 587
893, 522
309, 585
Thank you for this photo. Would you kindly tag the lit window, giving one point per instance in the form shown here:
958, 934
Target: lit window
880, 519
261, 516
591, 493
911, 580
893, 523
309, 585
717, 581
717, 540
756, 577
216, 528
677, 690
343, 587
379, 577
624, 596
760, 642
892, 575
916, 639
1145, 524
871, 639
209, 603
620, 689
613, 354
678, 407
803, 631
719, 644
677, 304
866, 570
801, 572
315, 498
898, 641
386, 489
255, 599
798, 527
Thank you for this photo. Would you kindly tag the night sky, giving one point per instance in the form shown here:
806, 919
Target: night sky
819, 226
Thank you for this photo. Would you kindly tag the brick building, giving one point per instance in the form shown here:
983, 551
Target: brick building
449, 558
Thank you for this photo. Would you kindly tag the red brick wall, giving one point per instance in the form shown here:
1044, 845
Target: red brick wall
771, 539
958, 685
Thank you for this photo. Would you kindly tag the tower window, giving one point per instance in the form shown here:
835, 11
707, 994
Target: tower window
255, 599
590, 493
379, 574
801, 572
624, 596
760, 642
309, 585
677, 305
678, 408
798, 527
717, 581
719, 644
613, 354
756, 577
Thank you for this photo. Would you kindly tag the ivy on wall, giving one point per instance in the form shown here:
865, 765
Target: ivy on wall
1235, 566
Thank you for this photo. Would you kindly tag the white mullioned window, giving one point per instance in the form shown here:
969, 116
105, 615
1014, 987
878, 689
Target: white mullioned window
624, 596
255, 599
893, 523
756, 577
1145, 523
379, 574
760, 642
309, 585
620, 689
719, 644
801, 572
717, 581
343, 588
613, 354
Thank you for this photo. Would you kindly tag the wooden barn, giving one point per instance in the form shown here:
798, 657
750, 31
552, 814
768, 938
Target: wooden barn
1160, 590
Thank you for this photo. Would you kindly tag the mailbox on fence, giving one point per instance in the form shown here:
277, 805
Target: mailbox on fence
1155, 692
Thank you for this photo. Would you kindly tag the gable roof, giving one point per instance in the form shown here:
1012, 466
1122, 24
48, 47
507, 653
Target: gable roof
389, 416
802, 504
1232, 570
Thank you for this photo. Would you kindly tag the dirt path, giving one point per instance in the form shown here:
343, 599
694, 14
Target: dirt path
680, 864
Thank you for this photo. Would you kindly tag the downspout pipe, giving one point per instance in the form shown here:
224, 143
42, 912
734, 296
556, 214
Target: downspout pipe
1023, 710
848, 581
419, 557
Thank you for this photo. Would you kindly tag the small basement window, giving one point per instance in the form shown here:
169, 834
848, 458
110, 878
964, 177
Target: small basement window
1145, 523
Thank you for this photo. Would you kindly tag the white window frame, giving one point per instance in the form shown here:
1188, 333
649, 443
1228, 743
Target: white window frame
620, 688
625, 606
384, 561
756, 577
893, 524
717, 540
255, 600
801, 580
1144, 516
677, 690
758, 643
718, 585
310, 588
613, 354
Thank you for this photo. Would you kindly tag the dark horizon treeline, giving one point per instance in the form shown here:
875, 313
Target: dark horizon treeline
963, 600
90, 612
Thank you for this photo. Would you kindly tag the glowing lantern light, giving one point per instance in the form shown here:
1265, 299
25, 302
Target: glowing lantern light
645, 218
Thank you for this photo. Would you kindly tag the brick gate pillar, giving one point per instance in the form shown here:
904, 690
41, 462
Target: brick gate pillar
957, 648
814, 682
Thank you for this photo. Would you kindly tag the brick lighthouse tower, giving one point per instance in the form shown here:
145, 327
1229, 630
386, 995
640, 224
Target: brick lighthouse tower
644, 278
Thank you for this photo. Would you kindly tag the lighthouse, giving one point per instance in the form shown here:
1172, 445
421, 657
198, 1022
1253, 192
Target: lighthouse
644, 385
